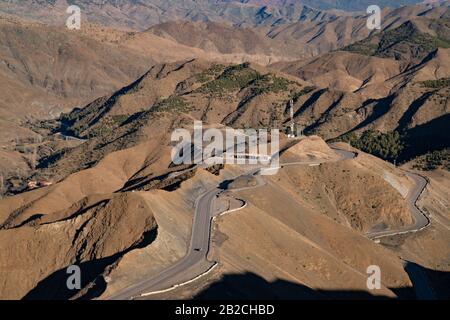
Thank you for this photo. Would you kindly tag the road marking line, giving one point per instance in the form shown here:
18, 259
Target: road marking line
180, 284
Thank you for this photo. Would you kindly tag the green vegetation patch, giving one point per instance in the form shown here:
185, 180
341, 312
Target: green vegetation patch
100, 130
363, 47
77, 130
394, 42
405, 34
210, 74
387, 146
437, 84
232, 78
271, 83
302, 92
172, 104
433, 160
120, 118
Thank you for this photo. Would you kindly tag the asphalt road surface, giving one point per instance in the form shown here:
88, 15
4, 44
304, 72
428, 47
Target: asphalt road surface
421, 221
201, 233
198, 249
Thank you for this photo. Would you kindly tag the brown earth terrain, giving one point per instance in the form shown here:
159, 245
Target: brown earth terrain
86, 175
286, 243
85, 234
295, 190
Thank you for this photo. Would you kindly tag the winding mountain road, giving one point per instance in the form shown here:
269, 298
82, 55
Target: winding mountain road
421, 221
196, 256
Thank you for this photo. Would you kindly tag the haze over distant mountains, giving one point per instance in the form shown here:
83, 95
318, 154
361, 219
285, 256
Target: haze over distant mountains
140, 14
87, 116
357, 5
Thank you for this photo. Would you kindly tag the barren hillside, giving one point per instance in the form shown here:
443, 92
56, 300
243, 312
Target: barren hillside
320, 215
87, 175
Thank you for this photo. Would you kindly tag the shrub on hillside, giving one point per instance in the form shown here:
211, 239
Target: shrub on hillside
434, 160
387, 146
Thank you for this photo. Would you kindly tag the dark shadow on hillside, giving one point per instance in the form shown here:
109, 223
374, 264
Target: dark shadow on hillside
380, 109
224, 185
432, 135
428, 284
132, 118
323, 118
34, 218
104, 107
308, 103
92, 283
407, 117
163, 182
251, 286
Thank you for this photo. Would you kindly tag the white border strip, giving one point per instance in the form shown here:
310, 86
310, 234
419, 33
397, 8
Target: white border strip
200, 275
180, 284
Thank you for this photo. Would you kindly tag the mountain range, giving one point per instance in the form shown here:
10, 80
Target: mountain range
359, 5
86, 169
140, 14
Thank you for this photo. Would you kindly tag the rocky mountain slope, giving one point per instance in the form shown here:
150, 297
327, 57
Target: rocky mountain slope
358, 5
167, 96
94, 181
346, 93
108, 199
85, 235
140, 15
46, 70
59, 64
305, 38
280, 228
320, 215
246, 95
399, 87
